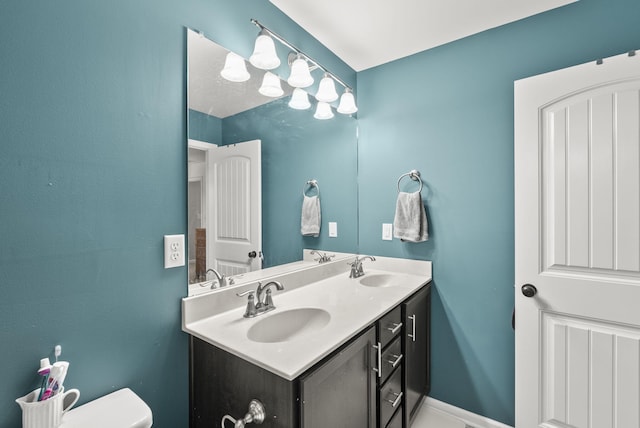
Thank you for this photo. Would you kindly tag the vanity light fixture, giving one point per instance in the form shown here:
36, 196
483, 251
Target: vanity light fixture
347, 103
235, 69
264, 54
327, 90
301, 77
271, 85
323, 111
299, 99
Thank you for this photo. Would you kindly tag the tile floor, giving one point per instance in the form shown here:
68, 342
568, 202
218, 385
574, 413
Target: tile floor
431, 418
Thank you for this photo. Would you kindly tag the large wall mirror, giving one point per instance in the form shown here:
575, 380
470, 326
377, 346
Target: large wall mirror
251, 158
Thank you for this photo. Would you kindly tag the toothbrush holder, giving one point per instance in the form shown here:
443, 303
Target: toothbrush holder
47, 413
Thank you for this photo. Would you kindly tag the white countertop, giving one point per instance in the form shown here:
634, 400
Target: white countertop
351, 305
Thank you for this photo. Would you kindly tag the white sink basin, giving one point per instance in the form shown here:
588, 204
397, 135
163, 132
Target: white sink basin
379, 280
288, 325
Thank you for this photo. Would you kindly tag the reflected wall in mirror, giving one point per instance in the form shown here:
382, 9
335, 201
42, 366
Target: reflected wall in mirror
293, 148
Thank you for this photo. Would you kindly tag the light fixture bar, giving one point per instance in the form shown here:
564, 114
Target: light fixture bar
298, 51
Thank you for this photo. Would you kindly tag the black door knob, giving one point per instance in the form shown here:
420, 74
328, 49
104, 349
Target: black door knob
529, 290
252, 254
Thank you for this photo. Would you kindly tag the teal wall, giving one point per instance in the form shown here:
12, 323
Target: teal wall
296, 148
93, 167
448, 112
204, 127
92, 175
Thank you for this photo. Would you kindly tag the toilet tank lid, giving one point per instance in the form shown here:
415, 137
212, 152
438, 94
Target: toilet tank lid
119, 409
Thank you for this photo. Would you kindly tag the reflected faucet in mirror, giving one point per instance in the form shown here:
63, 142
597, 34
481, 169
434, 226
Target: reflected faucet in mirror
221, 280
323, 256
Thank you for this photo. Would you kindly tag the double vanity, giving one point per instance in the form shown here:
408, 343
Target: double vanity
339, 349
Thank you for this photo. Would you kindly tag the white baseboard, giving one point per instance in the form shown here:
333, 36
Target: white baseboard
469, 418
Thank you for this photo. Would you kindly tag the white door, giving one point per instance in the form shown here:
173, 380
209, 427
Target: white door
235, 237
577, 241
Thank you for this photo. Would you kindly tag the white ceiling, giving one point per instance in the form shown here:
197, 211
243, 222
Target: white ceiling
367, 33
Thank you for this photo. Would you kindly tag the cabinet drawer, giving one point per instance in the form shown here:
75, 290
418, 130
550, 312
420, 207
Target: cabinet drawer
389, 326
396, 420
390, 397
391, 358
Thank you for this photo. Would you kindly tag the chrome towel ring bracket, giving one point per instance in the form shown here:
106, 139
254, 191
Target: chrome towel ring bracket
414, 174
311, 184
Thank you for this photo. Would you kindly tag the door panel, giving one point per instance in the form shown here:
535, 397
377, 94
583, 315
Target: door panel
590, 184
577, 219
237, 204
589, 371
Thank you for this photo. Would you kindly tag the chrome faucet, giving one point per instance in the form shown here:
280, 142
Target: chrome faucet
356, 266
263, 304
323, 256
222, 280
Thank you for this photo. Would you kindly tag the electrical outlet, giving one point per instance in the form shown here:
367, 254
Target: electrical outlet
173, 251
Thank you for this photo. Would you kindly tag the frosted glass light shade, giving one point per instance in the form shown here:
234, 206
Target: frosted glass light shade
271, 85
264, 53
235, 70
299, 100
327, 90
300, 76
347, 103
323, 111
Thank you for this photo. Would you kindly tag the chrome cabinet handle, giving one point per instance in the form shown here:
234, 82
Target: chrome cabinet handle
379, 358
395, 328
398, 358
395, 402
413, 327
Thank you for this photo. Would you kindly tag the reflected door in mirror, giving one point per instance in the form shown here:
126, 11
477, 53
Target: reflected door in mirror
225, 208
237, 207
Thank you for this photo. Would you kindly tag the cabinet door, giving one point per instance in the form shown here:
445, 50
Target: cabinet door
341, 392
417, 342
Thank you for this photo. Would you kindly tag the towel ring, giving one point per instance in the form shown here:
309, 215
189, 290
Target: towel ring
414, 174
310, 183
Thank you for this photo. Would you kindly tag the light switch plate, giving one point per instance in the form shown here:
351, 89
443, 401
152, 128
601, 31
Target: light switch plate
387, 231
173, 251
333, 229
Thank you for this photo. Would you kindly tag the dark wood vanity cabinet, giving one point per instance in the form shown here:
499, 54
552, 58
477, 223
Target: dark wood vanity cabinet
417, 342
376, 380
389, 366
404, 341
342, 391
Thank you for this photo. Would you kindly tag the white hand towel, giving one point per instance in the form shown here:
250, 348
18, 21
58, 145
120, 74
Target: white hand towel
311, 218
410, 221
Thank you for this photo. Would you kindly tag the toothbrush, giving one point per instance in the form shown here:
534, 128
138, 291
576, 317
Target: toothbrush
44, 371
54, 375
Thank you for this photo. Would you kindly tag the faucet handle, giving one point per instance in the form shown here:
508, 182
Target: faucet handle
250, 312
268, 300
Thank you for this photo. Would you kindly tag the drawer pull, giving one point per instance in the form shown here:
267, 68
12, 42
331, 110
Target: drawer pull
395, 402
413, 327
378, 369
395, 328
398, 358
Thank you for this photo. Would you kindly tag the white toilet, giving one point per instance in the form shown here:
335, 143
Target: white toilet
120, 409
